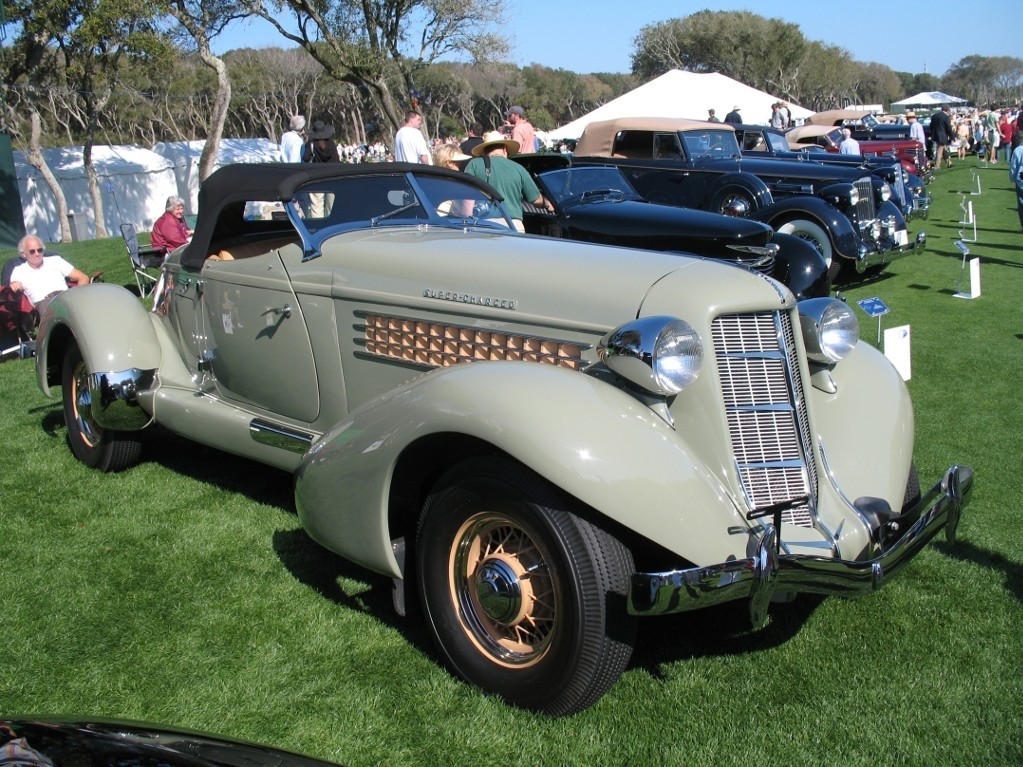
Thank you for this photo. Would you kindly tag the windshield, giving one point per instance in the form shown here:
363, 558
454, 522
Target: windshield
777, 142
379, 199
572, 184
710, 143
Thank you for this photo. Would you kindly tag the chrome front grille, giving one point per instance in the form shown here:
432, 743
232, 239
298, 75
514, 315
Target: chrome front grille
766, 411
866, 209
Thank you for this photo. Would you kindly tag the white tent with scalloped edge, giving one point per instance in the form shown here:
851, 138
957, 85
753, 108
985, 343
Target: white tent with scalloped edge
684, 94
927, 99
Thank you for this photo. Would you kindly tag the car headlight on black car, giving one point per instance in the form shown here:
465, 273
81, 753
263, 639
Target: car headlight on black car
830, 329
661, 355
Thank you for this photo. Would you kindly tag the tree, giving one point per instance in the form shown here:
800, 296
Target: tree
763, 53
378, 45
89, 38
203, 20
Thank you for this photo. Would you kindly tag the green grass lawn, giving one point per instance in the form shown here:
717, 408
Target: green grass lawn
184, 591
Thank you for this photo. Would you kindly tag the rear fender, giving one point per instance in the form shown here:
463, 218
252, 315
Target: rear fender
110, 325
586, 437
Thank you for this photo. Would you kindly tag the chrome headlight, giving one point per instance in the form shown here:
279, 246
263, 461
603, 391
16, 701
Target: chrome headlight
830, 329
886, 192
854, 197
661, 355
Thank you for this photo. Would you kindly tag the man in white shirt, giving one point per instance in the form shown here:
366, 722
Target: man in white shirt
849, 145
916, 130
42, 278
409, 143
293, 140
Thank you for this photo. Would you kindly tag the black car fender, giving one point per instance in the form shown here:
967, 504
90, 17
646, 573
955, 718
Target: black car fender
844, 238
800, 266
738, 194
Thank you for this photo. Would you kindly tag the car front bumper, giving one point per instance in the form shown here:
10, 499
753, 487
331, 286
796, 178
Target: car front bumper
893, 250
757, 578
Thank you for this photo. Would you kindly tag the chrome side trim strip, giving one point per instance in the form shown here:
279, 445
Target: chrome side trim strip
279, 436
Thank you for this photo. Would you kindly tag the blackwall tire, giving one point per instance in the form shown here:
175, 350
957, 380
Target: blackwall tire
91, 444
525, 598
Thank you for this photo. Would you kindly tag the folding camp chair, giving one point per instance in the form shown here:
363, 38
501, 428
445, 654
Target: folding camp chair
142, 260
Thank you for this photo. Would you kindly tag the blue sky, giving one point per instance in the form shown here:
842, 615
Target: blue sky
593, 35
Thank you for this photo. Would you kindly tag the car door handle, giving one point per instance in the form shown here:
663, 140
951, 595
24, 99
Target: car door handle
284, 311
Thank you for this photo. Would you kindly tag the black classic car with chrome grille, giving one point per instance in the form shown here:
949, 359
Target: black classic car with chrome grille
901, 166
598, 204
538, 440
845, 212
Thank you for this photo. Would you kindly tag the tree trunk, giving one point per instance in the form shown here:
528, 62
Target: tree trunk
218, 115
36, 160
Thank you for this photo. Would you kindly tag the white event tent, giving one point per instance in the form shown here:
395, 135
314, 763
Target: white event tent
134, 185
184, 156
684, 94
927, 99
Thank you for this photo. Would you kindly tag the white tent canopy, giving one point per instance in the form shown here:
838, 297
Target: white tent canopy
184, 155
684, 94
134, 184
928, 99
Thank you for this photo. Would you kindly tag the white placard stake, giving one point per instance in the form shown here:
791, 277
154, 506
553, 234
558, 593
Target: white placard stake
977, 177
974, 291
968, 219
897, 349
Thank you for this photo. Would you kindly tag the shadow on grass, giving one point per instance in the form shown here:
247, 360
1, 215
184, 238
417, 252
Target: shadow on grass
716, 631
324, 571
964, 551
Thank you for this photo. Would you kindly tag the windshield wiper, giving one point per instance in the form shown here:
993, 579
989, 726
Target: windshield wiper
377, 219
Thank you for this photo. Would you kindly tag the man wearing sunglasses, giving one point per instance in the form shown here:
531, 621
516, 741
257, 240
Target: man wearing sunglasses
42, 277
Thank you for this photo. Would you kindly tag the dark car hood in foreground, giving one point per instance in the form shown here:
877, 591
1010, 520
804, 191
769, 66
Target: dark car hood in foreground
75, 742
663, 227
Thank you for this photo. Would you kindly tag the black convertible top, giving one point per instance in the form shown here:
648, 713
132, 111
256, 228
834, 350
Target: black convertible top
231, 186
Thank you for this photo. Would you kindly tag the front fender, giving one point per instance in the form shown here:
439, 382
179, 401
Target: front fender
586, 437
865, 427
750, 186
112, 328
844, 238
801, 267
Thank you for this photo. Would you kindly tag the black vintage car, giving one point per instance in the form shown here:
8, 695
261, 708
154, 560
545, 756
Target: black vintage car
883, 159
65, 742
844, 212
597, 204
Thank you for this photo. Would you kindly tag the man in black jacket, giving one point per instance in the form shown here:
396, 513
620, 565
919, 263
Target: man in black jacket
941, 136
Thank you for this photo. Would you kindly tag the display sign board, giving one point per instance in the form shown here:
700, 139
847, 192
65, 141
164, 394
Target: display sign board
873, 307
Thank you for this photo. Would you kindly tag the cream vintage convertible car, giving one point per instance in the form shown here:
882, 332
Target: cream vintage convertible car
539, 440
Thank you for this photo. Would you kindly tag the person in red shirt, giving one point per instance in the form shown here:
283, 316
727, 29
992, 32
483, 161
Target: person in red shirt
170, 230
1005, 129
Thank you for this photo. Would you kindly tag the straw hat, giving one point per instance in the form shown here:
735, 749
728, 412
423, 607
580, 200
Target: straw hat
910, 113
495, 138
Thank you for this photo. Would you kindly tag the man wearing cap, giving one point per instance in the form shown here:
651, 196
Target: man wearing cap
522, 130
712, 116
490, 163
293, 140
